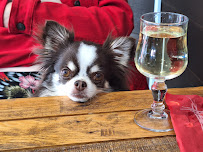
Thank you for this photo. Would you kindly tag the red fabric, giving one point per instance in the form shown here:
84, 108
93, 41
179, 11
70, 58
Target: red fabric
92, 21
137, 80
187, 118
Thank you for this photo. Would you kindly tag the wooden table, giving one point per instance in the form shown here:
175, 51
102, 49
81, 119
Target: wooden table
103, 124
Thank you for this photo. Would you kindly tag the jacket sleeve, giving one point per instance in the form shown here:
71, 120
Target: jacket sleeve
93, 20
2, 8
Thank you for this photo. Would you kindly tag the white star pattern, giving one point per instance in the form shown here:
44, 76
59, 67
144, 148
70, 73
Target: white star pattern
193, 108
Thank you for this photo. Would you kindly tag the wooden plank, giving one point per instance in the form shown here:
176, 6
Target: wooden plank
68, 130
187, 91
156, 144
106, 102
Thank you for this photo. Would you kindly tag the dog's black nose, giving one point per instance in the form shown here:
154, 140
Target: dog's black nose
80, 85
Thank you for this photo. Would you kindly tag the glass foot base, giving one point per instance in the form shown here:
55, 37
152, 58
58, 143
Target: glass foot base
145, 120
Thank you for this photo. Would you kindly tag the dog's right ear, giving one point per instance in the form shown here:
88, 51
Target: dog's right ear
54, 35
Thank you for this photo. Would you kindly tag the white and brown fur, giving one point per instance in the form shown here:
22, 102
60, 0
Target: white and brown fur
80, 69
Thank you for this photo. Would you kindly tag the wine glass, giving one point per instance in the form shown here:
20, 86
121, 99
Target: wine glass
161, 54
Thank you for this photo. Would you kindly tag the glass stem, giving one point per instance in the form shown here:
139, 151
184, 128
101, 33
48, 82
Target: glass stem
159, 89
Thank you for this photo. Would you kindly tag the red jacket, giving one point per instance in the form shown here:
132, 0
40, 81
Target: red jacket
91, 21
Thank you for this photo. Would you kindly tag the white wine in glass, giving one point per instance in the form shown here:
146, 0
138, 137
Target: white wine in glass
161, 54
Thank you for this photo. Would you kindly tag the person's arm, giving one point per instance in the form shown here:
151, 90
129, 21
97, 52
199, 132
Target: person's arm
7, 10
93, 20
6, 15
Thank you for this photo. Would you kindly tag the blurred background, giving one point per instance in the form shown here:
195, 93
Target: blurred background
193, 75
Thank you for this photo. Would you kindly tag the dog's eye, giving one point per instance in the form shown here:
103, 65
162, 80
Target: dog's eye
97, 76
65, 72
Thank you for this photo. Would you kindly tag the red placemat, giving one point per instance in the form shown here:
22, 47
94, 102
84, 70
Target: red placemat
187, 118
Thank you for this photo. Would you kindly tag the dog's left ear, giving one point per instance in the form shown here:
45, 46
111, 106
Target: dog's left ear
123, 48
55, 34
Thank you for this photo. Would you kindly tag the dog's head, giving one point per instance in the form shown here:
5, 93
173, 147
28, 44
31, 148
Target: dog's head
81, 69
